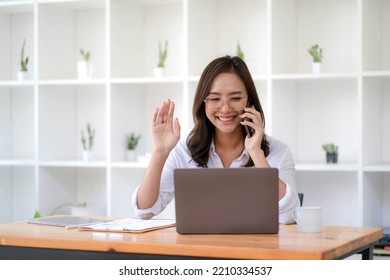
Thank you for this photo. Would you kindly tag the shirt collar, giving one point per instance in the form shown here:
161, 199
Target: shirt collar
244, 155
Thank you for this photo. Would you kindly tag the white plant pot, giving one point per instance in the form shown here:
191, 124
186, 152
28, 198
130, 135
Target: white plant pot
22, 75
131, 155
158, 72
87, 155
317, 67
84, 70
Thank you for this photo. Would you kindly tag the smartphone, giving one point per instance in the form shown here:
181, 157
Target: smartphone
249, 130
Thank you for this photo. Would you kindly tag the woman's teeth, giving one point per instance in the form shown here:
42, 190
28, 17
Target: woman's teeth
225, 119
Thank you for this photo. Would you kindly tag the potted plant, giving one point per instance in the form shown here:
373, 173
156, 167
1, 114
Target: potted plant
88, 142
162, 56
132, 142
83, 66
316, 53
239, 52
22, 74
331, 152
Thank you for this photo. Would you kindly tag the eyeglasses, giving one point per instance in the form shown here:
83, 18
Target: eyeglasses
216, 103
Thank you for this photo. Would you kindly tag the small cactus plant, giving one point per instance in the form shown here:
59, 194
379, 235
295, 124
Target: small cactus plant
316, 53
331, 152
330, 148
23, 61
162, 54
91, 138
132, 141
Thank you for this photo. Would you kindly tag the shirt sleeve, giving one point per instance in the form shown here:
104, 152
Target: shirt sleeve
145, 213
286, 167
166, 193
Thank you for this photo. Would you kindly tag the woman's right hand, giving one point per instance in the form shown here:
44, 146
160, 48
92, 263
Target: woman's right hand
165, 130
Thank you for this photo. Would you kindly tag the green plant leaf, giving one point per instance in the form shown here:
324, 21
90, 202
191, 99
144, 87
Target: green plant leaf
37, 214
239, 52
85, 54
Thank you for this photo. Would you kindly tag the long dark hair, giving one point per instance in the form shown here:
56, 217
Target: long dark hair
202, 134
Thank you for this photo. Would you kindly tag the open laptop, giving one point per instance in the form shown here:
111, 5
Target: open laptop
232, 200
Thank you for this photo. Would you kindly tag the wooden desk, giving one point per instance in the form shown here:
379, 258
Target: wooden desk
21, 240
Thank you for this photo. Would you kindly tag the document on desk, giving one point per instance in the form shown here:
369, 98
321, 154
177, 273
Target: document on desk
131, 225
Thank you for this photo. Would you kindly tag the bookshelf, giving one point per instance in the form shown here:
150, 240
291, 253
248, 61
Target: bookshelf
41, 163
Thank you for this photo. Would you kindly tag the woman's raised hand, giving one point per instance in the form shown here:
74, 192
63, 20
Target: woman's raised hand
165, 130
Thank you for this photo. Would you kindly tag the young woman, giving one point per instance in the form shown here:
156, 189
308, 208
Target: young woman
226, 106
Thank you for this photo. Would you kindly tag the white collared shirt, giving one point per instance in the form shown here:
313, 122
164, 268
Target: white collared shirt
279, 157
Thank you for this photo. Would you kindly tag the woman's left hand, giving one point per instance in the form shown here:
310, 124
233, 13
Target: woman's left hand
256, 123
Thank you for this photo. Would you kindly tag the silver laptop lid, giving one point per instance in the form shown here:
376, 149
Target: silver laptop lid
233, 200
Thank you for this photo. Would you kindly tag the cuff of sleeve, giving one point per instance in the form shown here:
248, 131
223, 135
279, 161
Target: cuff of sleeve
286, 207
143, 213
283, 203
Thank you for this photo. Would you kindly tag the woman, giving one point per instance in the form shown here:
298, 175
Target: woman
225, 102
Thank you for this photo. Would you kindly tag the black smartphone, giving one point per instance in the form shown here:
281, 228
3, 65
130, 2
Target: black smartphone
249, 130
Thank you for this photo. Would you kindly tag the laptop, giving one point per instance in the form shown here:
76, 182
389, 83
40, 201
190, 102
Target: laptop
231, 200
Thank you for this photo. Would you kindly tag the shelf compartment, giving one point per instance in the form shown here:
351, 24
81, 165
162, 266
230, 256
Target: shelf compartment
72, 185
123, 184
17, 193
376, 35
376, 116
16, 24
218, 32
337, 192
299, 24
64, 112
134, 49
322, 111
64, 29
133, 106
376, 203
17, 115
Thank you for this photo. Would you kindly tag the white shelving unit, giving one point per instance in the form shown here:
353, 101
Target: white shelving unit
41, 165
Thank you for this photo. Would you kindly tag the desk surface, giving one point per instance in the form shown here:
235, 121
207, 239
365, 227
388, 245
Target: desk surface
332, 243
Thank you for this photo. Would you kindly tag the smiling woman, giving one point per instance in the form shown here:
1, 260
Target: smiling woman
225, 102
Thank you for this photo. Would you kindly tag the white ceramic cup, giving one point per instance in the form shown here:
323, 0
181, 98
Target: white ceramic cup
309, 219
